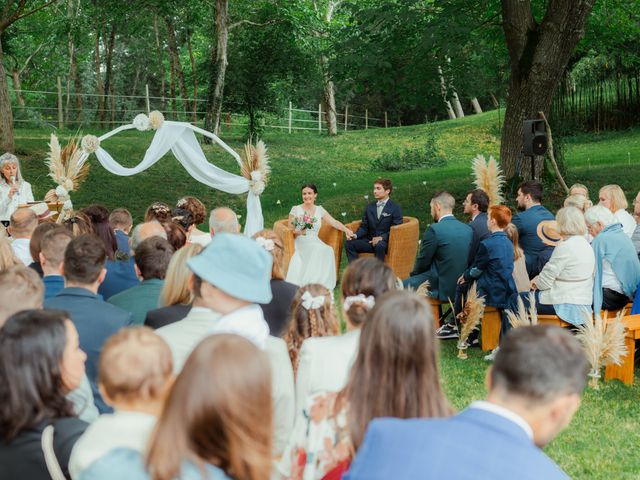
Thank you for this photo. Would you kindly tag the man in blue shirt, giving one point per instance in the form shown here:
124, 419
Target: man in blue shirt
532, 213
534, 391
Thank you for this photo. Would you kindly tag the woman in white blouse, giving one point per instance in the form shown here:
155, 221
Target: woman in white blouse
613, 198
14, 191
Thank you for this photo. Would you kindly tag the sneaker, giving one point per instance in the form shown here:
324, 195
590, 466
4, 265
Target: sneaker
492, 356
447, 331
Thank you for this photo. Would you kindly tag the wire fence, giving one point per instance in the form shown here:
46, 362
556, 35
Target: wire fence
64, 109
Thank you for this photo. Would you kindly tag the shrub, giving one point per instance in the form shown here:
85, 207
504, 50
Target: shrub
411, 158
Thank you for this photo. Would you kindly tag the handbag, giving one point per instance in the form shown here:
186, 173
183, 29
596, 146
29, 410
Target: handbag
50, 455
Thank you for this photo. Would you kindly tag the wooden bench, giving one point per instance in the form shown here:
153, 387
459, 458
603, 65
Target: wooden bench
490, 328
436, 309
624, 372
553, 320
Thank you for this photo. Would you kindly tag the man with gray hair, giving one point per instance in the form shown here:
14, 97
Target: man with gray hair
444, 250
142, 231
223, 219
617, 271
534, 390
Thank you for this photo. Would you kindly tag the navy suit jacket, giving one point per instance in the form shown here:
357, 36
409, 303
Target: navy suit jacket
486, 445
53, 285
120, 276
371, 226
527, 224
122, 240
480, 232
96, 321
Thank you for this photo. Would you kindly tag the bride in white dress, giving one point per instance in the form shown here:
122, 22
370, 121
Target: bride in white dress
313, 260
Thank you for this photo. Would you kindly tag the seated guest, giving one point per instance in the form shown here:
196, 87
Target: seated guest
534, 391
7, 257
564, 287
99, 217
121, 221
176, 235
184, 218
35, 245
325, 362
617, 272
175, 296
613, 198
21, 227
581, 202
635, 238
22, 289
444, 250
159, 212
41, 363
152, 260
52, 248
312, 315
276, 312
96, 320
520, 275
223, 220
396, 355
199, 213
476, 205
136, 395
531, 214
216, 424
579, 189
492, 268
78, 224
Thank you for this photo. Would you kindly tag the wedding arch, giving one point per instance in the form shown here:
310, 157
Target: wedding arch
180, 139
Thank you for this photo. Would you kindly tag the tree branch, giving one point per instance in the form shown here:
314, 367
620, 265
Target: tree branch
17, 14
249, 22
29, 58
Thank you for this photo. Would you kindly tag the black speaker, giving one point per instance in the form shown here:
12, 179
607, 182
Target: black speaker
535, 138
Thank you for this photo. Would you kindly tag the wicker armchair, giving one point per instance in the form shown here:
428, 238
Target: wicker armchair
329, 235
402, 248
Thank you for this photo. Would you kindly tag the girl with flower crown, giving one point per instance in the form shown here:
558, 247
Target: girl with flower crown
313, 260
14, 191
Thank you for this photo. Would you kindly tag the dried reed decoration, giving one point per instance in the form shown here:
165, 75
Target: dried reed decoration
470, 318
64, 164
255, 159
488, 177
423, 289
524, 318
603, 344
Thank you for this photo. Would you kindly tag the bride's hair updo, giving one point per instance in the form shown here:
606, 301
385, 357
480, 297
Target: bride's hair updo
363, 282
312, 186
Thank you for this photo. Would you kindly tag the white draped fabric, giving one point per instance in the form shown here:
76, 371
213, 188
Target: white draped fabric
179, 137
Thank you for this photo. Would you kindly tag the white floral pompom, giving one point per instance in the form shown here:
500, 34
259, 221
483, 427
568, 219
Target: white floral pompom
141, 122
90, 143
256, 176
156, 119
62, 192
67, 205
257, 187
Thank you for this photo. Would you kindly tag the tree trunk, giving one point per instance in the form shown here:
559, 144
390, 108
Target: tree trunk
160, 62
177, 68
218, 69
6, 115
457, 105
476, 105
194, 117
443, 92
108, 82
99, 84
329, 98
17, 87
538, 55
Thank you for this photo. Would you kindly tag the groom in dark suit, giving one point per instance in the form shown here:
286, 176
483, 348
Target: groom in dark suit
378, 218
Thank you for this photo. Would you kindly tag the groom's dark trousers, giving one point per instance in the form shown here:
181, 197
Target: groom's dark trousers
372, 226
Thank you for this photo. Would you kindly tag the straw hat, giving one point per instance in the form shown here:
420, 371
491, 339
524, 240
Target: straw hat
548, 232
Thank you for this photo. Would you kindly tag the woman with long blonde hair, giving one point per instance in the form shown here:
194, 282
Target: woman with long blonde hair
613, 198
175, 297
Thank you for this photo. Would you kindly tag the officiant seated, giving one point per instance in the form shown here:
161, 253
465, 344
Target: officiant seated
373, 234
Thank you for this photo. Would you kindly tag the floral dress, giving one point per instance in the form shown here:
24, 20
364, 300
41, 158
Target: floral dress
320, 440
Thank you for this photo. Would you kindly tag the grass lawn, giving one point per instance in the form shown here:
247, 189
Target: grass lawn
603, 439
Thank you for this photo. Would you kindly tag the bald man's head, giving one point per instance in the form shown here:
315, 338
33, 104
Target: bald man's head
146, 230
23, 222
223, 219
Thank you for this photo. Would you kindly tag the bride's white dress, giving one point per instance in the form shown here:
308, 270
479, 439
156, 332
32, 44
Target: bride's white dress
313, 260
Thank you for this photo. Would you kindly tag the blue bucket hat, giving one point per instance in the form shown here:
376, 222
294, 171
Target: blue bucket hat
236, 265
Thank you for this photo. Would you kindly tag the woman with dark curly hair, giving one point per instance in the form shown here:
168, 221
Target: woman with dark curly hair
199, 212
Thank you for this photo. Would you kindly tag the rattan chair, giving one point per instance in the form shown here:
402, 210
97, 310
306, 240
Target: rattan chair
402, 248
329, 235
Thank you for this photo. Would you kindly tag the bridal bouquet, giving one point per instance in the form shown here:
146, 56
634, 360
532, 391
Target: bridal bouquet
304, 222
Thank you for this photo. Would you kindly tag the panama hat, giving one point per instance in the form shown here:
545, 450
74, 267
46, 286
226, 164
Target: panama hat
41, 210
548, 232
237, 265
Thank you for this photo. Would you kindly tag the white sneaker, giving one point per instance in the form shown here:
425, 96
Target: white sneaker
491, 357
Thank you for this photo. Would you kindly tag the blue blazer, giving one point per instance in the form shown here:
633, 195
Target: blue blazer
95, 320
527, 224
486, 446
53, 285
120, 277
122, 240
480, 232
492, 269
372, 227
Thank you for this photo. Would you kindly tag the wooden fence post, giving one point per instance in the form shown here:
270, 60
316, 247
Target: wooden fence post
146, 93
290, 116
346, 116
320, 118
60, 115
386, 121
366, 119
